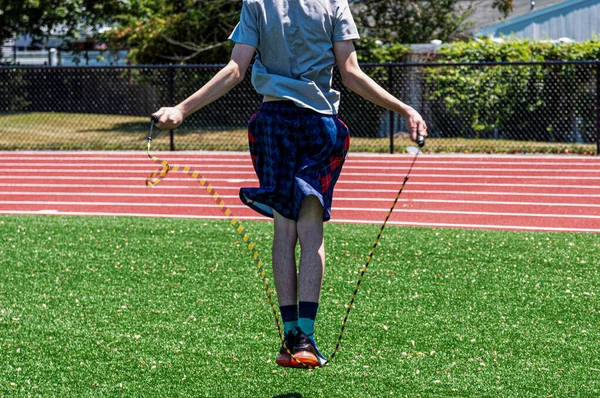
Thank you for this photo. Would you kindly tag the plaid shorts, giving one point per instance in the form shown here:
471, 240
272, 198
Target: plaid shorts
296, 152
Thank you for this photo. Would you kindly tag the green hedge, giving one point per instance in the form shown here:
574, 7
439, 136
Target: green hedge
539, 102
515, 50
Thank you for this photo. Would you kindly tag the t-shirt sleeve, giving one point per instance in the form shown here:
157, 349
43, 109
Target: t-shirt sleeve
344, 27
246, 31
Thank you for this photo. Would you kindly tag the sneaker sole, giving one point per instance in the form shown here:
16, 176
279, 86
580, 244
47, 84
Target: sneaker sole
286, 361
307, 358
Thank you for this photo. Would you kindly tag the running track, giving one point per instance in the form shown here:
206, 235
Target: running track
521, 193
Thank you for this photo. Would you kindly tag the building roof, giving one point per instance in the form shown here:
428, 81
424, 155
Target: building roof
577, 20
484, 14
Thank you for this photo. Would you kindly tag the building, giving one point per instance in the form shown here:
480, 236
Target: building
56, 51
576, 20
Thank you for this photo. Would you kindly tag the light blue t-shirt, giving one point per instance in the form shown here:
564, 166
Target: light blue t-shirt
294, 43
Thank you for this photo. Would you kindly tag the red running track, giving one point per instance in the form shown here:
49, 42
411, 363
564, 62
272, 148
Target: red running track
502, 192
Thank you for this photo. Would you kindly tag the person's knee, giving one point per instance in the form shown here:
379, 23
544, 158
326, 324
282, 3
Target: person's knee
311, 210
310, 221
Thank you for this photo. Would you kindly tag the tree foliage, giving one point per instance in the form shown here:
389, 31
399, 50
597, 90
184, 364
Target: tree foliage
196, 31
504, 6
167, 31
156, 31
384, 24
408, 21
39, 18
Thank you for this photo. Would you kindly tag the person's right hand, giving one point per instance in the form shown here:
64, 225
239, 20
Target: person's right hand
416, 125
168, 117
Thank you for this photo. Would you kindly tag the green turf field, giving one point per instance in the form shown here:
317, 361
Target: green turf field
174, 308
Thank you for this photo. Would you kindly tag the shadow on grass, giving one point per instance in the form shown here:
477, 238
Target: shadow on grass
291, 395
126, 127
144, 127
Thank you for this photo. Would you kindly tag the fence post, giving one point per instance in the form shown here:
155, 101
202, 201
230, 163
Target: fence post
598, 108
171, 103
52, 57
390, 113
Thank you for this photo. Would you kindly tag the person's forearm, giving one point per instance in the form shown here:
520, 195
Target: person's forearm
218, 86
363, 85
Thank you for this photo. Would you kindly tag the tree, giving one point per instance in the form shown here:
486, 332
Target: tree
504, 6
196, 31
39, 18
407, 21
155, 31
169, 31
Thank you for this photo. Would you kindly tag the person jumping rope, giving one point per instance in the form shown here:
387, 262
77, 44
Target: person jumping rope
297, 143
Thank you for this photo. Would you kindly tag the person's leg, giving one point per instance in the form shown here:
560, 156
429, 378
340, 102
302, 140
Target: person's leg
312, 249
284, 260
310, 278
285, 276
312, 260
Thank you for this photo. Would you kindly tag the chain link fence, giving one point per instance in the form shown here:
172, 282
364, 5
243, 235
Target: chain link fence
551, 107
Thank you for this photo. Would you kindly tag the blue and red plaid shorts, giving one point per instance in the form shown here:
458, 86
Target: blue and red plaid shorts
296, 152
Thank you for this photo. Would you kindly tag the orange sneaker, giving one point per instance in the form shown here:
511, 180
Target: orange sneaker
284, 358
306, 351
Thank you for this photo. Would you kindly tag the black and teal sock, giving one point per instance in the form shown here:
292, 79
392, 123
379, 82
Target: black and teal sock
289, 315
307, 316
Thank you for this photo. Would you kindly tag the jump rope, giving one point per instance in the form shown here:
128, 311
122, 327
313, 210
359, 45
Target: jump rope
158, 175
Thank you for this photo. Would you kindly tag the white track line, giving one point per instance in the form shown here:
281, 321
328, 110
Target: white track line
117, 204
110, 167
335, 208
65, 172
468, 213
337, 198
338, 190
352, 158
138, 167
495, 193
591, 161
341, 181
111, 214
463, 184
339, 221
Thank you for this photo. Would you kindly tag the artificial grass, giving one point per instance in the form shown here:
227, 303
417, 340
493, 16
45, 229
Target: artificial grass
161, 307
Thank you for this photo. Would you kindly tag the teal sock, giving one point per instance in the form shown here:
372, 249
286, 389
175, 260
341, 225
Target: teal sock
307, 316
289, 315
